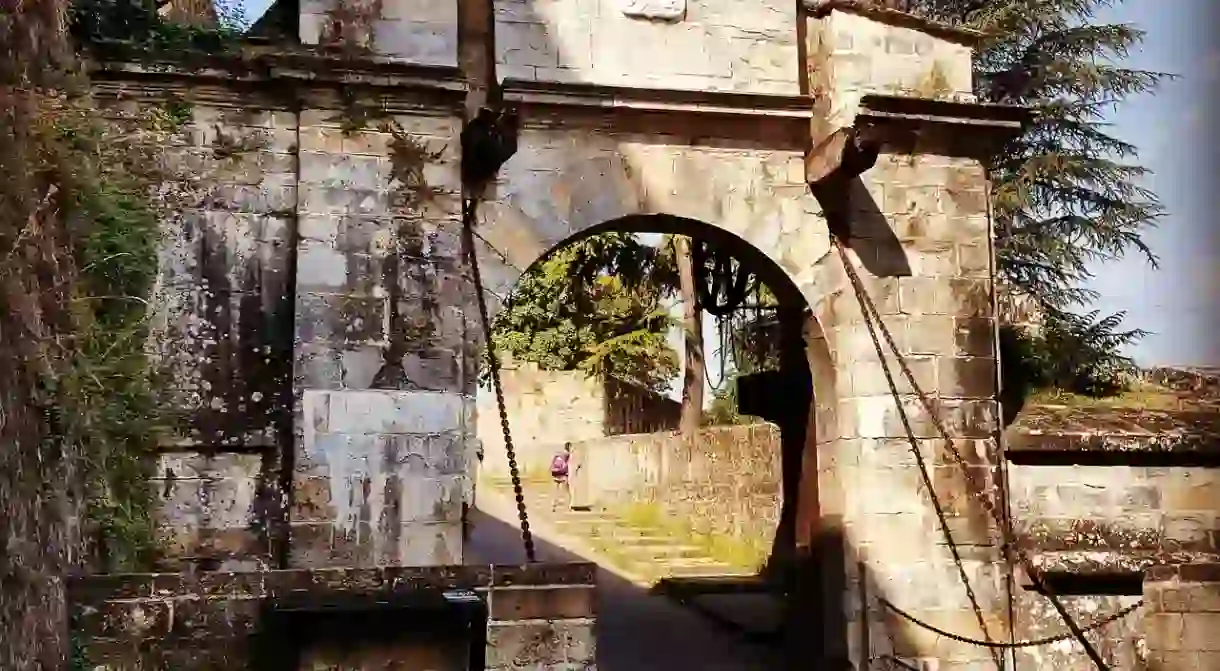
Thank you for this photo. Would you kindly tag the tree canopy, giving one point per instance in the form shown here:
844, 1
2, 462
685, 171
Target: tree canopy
1067, 193
597, 305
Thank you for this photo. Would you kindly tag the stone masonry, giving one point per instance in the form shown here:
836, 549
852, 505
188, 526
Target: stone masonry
537, 617
319, 310
549, 408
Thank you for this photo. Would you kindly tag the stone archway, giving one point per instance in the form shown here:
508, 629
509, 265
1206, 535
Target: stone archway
790, 411
916, 229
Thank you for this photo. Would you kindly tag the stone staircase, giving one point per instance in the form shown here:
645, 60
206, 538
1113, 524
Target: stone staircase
644, 550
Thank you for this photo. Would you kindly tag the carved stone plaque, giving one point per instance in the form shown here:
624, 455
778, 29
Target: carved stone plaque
657, 10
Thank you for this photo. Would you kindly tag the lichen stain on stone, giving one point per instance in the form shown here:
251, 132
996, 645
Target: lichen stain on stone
349, 24
408, 158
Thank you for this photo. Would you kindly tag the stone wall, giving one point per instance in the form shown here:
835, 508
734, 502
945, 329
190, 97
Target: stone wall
549, 408
312, 315
723, 482
540, 615
421, 33
545, 410
1183, 603
709, 45
1115, 519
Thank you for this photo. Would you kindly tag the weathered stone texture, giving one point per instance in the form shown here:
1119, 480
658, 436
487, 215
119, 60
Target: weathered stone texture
422, 32
723, 482
379, 255
718, 45
540, 616
1183, 617
212, 509
549, 408
1115, 518
383, 359
380, 479
852, 55
224, 319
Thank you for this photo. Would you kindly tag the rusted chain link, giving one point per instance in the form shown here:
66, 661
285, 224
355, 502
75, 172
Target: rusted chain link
872, 318
493, 363
1032, 643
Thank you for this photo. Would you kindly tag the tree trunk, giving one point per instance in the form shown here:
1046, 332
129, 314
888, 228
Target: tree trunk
692, 329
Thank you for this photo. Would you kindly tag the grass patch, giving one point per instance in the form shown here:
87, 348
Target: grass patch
1140, 395
740, 553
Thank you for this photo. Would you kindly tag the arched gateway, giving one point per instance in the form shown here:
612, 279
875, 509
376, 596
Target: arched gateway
333, 231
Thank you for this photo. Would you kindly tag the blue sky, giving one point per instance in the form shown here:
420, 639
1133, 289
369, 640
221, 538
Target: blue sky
1174, 302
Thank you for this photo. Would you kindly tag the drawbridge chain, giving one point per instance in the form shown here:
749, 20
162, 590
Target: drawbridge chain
488, 140
872, 318
469, 206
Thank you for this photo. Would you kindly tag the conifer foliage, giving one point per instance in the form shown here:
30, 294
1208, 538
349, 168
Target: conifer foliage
1067, 192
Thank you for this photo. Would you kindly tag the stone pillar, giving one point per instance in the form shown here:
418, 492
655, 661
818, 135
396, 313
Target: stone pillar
1182, 618
383, 367
916, 226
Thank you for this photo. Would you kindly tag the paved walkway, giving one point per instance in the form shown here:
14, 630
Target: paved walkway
636, 630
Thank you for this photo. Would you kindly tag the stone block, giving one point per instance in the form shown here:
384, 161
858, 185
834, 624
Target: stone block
966, 377
545, 603
384, 412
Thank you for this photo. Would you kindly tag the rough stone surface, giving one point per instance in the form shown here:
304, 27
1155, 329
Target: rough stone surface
540, 616
413, 31
724, 482
342, 221
1183, 617
711, 45
549, 408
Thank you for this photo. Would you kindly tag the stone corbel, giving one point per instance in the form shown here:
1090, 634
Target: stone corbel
902, 124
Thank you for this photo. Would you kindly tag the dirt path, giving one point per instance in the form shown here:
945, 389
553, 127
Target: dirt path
636, 630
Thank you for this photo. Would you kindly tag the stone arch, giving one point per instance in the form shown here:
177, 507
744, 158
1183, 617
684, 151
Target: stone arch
517, 233
559, 188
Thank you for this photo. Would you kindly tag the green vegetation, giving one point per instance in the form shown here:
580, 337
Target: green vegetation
597, 306
1067, 194
136, 25
80, 205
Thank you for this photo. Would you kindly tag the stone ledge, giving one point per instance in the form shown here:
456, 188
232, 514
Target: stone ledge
92, 590
1187, 533
871, 9
600, 96
909, 124
282, 77
1115, 563
1197, 571
773, 121
1083, 448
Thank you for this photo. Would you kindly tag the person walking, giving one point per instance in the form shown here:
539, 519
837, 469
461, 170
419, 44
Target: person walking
560, 465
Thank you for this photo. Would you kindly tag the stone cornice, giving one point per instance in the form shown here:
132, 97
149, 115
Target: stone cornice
279, 80
597, 96
869, 8
960, 128
777, 120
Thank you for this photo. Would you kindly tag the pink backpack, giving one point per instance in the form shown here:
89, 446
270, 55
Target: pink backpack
559, 465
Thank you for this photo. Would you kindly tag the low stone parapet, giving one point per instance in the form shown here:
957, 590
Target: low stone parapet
535, 616
1182, 627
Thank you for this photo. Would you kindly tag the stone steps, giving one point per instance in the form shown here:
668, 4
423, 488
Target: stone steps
643, 550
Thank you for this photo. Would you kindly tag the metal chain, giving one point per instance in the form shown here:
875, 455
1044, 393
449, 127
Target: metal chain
1032, 643
872, 318
493, 363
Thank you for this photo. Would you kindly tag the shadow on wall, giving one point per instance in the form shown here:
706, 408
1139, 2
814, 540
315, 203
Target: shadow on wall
869, 233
